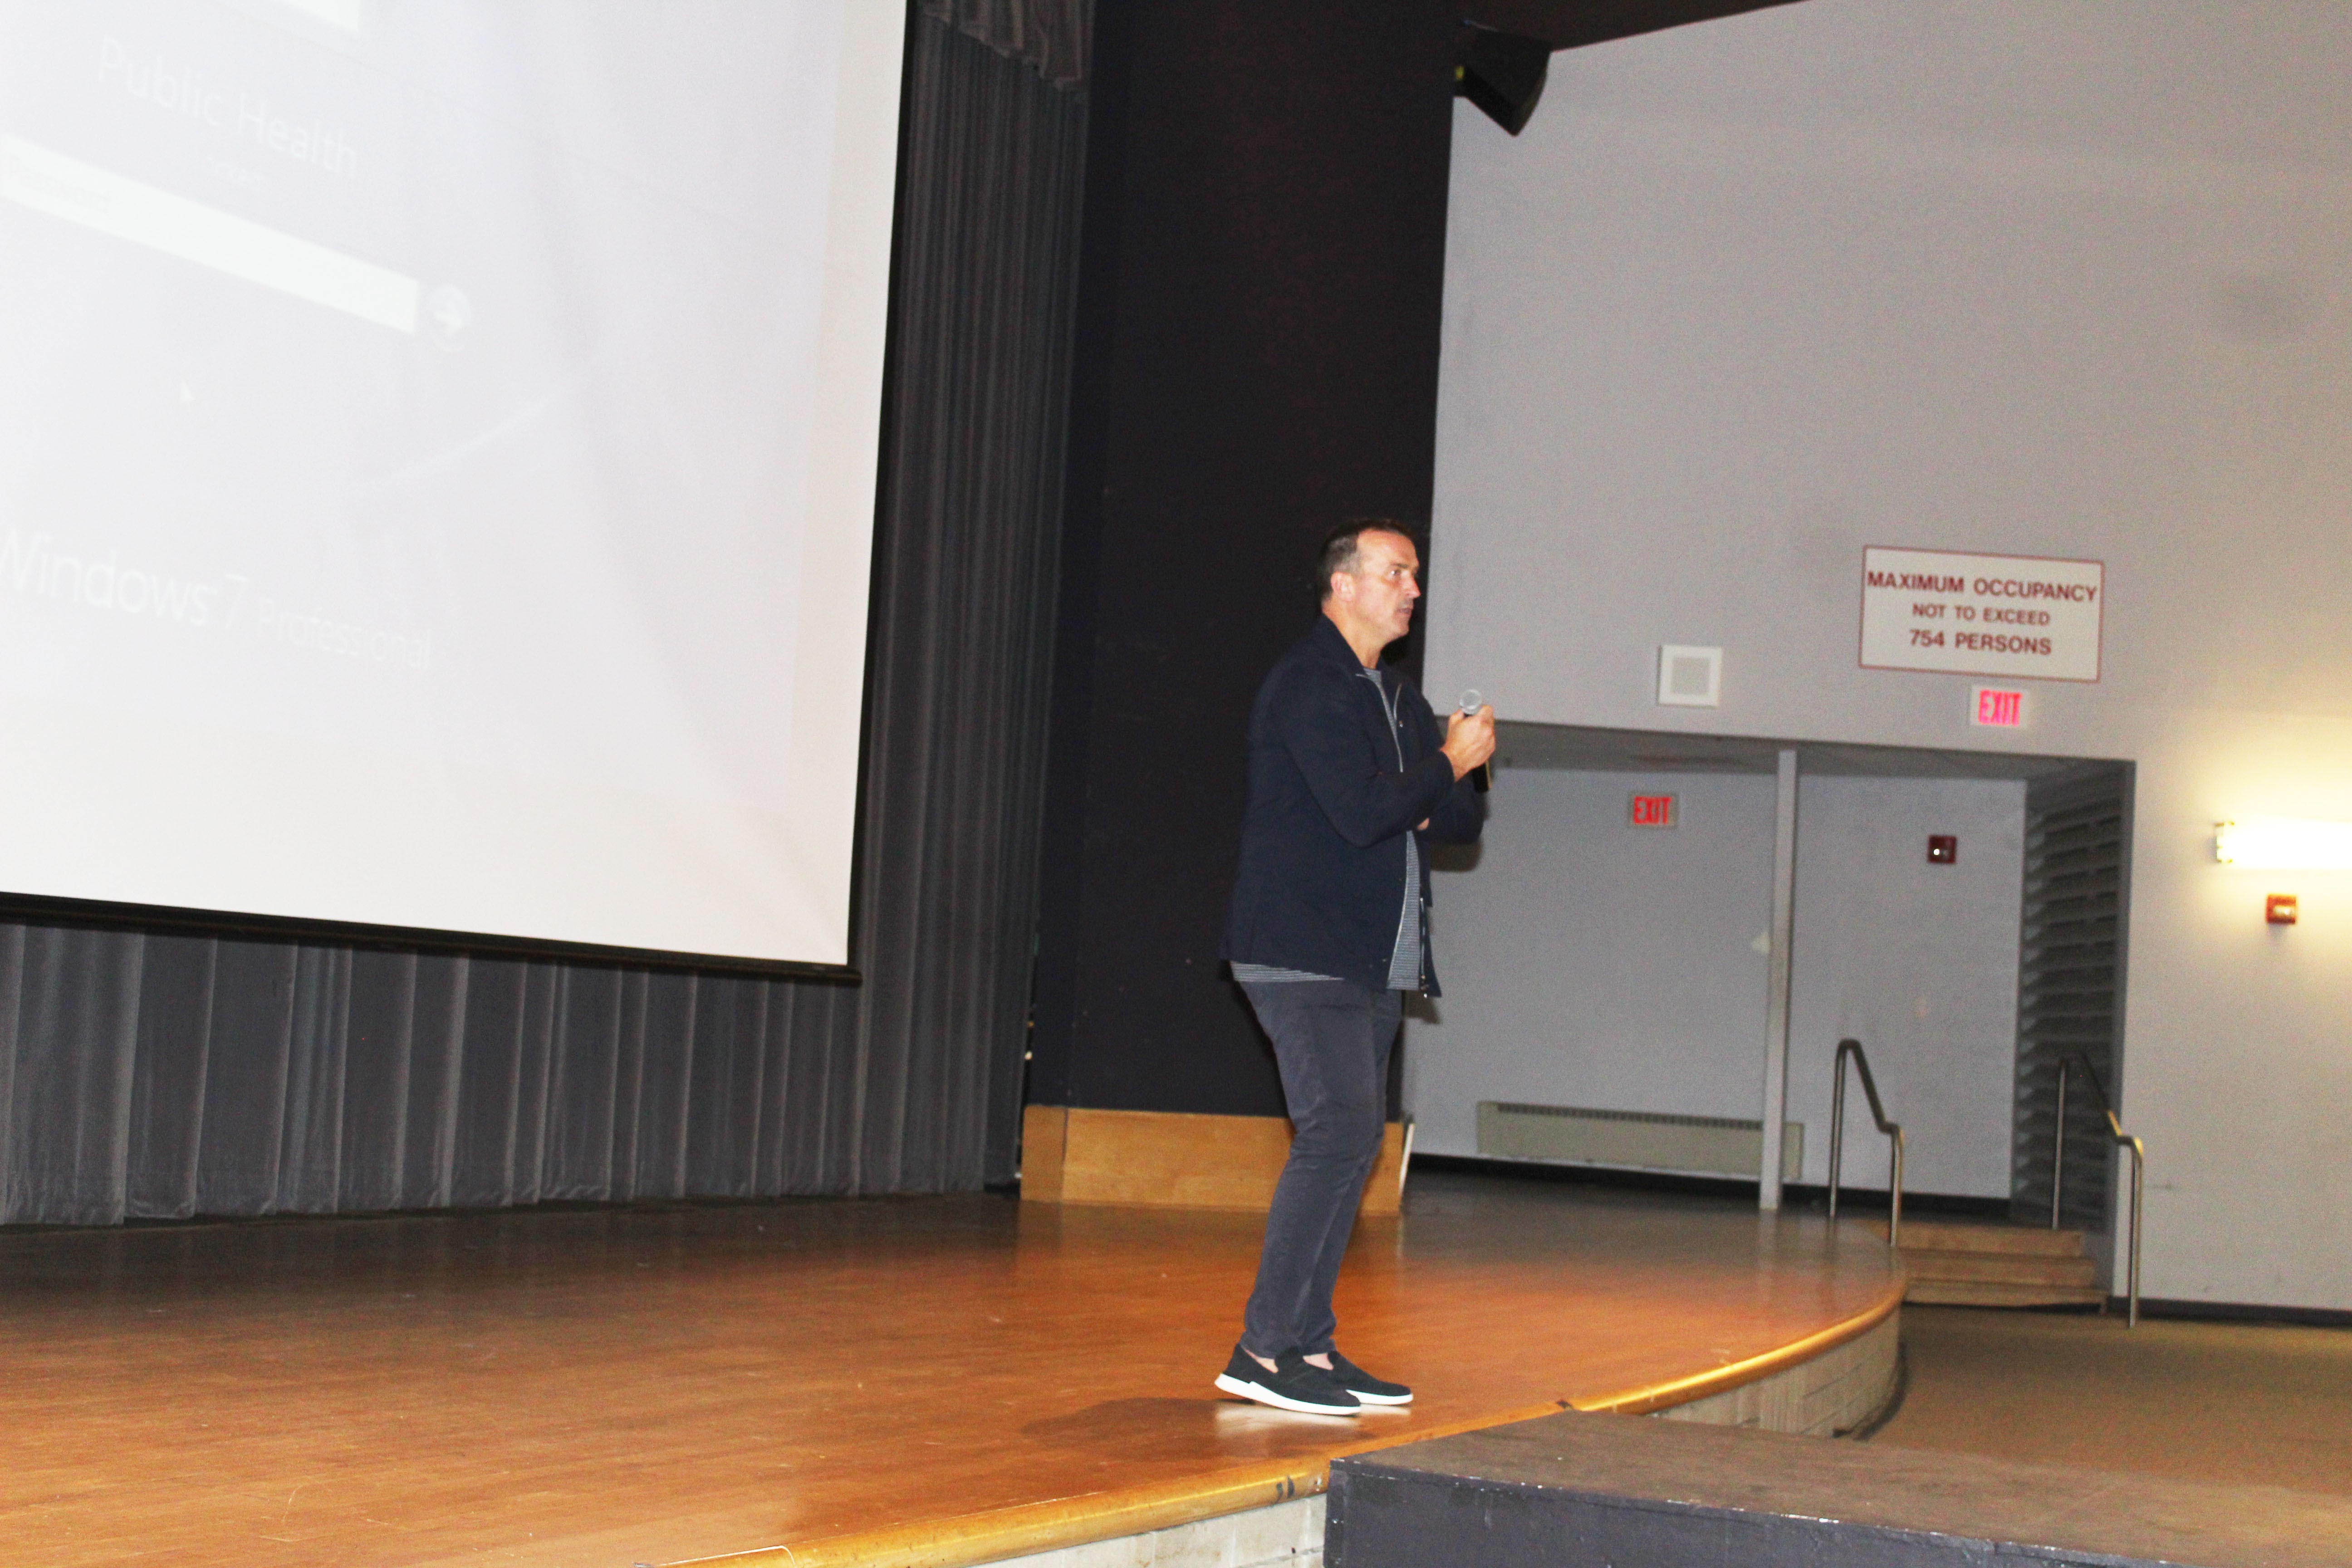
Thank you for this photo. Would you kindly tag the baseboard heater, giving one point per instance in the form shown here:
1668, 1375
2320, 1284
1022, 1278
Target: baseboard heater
1635, 1139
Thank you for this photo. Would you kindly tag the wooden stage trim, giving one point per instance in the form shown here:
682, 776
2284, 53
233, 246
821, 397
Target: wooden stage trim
988, 1537
1699, 1385
1157, 1158
1090, 1516
1045, 1527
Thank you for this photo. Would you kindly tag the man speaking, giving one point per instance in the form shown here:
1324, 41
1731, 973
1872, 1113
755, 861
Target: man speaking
1349, 782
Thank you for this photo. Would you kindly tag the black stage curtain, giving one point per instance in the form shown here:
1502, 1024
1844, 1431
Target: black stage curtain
152, 1075
1260, 315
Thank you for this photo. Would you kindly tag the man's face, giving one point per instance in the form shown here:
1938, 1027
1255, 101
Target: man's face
1379, 595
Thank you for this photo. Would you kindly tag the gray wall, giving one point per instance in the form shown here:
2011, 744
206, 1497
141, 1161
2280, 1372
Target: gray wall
1592, 964
1916, 962
1999, 276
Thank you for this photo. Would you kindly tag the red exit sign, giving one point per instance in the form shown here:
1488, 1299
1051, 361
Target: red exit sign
1652, 811
1998, 708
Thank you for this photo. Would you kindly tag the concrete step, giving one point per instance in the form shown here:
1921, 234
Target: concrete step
1981, 1293
1956, 1235
1999, 1268
1630, 1490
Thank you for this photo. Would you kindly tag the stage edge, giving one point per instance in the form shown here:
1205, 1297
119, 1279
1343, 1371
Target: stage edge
965, 1540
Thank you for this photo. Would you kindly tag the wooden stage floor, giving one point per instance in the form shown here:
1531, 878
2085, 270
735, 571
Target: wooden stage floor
647, 1385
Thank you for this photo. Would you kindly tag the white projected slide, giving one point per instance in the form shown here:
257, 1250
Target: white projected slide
438, 442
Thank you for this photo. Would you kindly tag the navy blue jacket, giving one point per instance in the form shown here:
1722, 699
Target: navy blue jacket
1322, 865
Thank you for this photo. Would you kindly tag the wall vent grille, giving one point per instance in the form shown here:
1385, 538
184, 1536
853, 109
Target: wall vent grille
1635, 1140
2070, 987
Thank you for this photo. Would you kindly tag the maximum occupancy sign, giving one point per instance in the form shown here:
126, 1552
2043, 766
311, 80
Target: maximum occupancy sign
1967, 614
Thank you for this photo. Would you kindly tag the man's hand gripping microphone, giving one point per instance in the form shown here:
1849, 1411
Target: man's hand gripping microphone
1482, 777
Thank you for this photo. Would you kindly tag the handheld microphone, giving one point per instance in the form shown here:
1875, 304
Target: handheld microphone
1482, 777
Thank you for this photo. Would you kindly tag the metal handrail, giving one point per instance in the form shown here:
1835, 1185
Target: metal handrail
2122, 1139
1894, 1130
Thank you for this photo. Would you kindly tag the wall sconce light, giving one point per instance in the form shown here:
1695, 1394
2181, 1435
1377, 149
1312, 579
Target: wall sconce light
2284, 844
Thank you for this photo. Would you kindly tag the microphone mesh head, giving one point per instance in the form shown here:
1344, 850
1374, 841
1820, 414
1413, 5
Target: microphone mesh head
1470, 700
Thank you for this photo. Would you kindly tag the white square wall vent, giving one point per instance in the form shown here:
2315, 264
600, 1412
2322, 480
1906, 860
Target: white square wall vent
1690, 676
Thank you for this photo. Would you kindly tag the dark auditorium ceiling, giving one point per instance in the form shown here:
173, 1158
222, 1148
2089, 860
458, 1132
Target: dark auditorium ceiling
1572, 24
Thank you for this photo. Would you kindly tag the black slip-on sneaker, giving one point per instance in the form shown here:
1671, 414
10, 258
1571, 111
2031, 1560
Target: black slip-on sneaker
1368, 1389
1291, 1385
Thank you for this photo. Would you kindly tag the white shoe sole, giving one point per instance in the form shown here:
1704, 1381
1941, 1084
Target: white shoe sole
1228, 1384
1362, 1398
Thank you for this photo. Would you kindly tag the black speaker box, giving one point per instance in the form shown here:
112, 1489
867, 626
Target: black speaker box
1502, 73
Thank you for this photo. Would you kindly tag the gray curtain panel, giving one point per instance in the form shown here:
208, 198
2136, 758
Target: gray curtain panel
1052, 35
147, 1074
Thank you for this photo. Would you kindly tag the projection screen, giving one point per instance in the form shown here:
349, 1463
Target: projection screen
438, 451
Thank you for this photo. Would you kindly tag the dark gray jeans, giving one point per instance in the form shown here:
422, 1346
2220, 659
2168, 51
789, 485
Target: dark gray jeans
1331, 1039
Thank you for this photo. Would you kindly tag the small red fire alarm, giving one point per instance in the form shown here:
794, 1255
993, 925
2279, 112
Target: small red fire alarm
2279, 908
1943, 850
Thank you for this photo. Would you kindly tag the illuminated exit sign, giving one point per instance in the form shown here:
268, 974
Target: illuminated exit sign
1652, 811
1998, 708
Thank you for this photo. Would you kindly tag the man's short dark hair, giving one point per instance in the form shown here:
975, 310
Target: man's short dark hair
1342, 548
